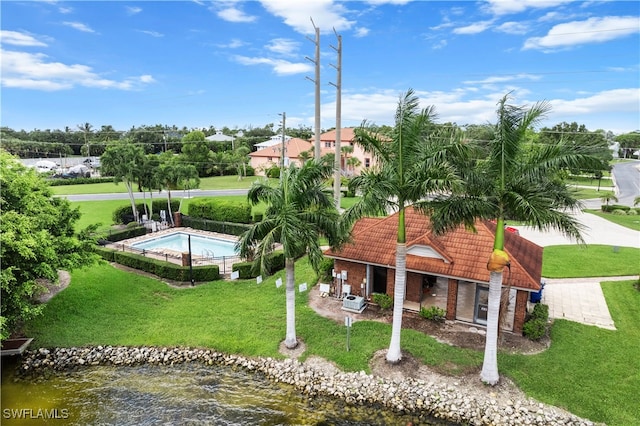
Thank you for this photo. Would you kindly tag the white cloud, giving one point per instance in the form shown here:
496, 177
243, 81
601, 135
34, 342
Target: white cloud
326, 14
504, 7
79, 26
19, 39
592, 30
513, 28
233, 14
503, 79
133, 10
233, 44
361, 32
152, 33
616, 100
283, 46
279, 66
35, 71
65, 10
475, 28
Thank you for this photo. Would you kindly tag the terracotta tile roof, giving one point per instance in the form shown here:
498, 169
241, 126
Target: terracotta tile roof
346, 135
465, 253
294, 147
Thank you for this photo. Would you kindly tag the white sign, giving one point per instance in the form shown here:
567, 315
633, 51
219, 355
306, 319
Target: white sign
259, 279
279, 282
348, 321
302, 287
235, 275
325, 288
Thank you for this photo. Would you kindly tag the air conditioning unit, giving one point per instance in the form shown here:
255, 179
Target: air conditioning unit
353, 303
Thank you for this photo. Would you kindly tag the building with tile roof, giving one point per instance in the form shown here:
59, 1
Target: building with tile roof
447, 271
269, 156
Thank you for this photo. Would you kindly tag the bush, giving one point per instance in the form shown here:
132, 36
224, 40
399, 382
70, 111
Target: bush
614, 207
214, 225
245, 270
220, 210
325, 270
383, 300
619, 212
129, 232
273, 172
433, 313
78, 181
257, 217
124, 214
535, 327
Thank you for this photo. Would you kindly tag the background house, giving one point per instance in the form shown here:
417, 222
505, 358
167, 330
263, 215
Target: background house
447, 271
220, 137
269, 156
348, 162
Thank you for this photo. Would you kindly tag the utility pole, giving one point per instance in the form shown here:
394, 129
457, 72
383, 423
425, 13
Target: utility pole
338, 85
316, 62
284, 146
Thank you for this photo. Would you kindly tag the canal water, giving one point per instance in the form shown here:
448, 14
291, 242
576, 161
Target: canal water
184, 394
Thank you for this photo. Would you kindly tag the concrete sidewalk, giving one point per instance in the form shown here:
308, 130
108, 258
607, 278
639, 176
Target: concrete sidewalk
580, 300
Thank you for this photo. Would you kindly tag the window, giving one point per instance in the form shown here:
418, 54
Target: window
327, 144
367, 162
270, 159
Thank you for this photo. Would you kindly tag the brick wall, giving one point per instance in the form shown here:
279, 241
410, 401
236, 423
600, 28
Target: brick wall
452, 299
414, 287
520, 311
356, 273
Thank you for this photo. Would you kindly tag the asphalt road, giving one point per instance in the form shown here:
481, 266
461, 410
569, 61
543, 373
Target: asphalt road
174, 194
627, 181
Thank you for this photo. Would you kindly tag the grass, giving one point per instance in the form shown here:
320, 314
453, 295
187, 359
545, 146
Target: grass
588, 194
592, 372
217, 183
628, 221
102, 304
588, 181
571, 261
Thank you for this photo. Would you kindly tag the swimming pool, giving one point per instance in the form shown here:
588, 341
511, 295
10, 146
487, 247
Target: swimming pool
179, 241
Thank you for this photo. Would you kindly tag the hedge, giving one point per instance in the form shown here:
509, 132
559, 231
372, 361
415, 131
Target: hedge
214, 225
124, 214
160, 268
78, 181
246, 270
220, 210
129, 232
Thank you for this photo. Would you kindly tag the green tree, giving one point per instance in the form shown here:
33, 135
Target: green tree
410, 163
37, 239
607, 197
299, 211
513, 182
195, 150
87, 133
629, 143
174, 172
576, 137
124, 160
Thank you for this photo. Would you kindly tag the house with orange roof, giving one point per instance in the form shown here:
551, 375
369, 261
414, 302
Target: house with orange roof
269, 156
349, 167
447, 271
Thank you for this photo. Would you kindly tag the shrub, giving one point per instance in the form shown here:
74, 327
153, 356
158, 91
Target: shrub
273, 172
535, 327
619, 212
257, 217
245, 270
214, 225
325, 270
383, 300
632, 212
220, 210
433, 313
124, 214
129, 232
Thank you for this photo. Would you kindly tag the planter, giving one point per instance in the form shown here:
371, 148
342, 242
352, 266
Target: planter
15, 346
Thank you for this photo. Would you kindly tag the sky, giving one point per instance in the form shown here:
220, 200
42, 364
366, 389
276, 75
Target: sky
242, 64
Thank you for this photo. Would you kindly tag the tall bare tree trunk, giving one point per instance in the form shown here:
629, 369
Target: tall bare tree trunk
394, 354
291, 340
489, 372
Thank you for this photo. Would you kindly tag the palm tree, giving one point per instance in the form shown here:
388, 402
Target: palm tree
123, 160
409, 165
517, 181
299, 211
86, 130
636, 201
608, 197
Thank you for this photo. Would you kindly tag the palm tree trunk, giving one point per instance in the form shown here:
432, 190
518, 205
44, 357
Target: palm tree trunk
134, 210
169, 207
489, 372
290, 340
394, 355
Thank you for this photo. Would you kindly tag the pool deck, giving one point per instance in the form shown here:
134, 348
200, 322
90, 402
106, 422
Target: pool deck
176, 257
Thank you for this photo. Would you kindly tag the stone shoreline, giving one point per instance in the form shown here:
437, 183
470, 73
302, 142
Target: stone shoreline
425, 399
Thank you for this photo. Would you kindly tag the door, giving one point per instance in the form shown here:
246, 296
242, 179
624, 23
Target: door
482, 305
379, 280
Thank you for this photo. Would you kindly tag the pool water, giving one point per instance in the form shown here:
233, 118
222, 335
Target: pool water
179, 241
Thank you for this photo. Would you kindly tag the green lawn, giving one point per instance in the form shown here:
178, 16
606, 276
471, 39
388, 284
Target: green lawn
588, 194
593, 373
218, 182
581, 180
628, 221
593, 260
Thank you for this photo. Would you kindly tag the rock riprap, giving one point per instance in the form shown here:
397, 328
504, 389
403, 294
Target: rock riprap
408, 396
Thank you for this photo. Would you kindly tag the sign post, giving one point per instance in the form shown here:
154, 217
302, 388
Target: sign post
348, 321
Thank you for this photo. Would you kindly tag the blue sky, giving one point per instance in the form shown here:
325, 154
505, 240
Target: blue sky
240, 64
